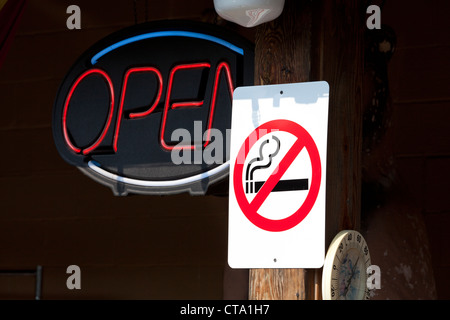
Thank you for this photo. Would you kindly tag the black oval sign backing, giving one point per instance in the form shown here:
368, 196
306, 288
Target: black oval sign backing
148, 109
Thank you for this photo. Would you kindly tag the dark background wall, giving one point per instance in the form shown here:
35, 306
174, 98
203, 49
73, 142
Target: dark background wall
148, 247
419, 77
52, 215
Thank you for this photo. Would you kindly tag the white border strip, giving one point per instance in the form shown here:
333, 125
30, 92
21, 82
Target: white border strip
146, 183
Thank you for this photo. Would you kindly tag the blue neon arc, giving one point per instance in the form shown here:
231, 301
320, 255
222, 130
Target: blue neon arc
160, 34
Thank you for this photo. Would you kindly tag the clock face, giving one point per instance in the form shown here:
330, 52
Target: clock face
345, 268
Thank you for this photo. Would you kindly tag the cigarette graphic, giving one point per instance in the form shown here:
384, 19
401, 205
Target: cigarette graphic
282, 185
262, 162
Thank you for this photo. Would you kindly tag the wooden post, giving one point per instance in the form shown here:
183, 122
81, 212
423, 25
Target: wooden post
282, 55
318, 40
339, 59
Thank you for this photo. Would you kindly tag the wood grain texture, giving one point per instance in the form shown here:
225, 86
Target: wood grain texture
277, 284
339, 59
312, 41
282, 55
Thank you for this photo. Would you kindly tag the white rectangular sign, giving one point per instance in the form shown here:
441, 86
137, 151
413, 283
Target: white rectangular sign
277, 176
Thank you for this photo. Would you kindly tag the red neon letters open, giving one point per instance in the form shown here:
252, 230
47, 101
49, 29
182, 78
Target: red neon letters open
223, 66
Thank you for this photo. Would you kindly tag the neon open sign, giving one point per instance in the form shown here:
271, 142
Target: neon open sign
118, 111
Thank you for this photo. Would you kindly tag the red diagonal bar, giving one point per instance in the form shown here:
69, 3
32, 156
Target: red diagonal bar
275, 177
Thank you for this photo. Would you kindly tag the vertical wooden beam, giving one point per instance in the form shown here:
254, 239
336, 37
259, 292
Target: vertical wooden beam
283, 46
282, 55
338, 58
318, 40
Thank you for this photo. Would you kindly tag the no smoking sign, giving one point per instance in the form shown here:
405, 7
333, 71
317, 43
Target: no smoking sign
277, 176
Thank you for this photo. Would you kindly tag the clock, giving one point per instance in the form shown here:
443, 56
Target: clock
344, 274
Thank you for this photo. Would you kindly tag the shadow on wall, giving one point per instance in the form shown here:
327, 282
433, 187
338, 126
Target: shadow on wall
393, 226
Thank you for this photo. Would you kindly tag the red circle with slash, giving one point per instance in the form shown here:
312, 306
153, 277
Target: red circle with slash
250, 209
